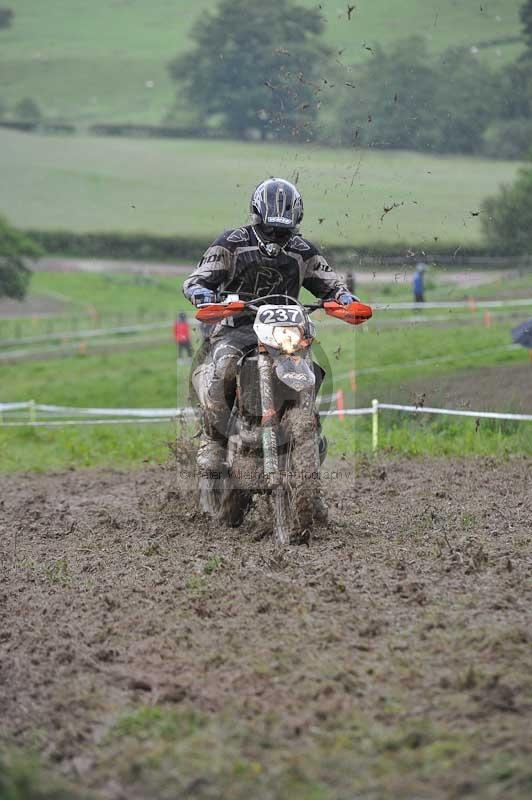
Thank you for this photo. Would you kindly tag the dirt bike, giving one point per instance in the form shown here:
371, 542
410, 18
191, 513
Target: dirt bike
274, 446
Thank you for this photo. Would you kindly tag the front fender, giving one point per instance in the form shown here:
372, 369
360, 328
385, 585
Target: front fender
296, 372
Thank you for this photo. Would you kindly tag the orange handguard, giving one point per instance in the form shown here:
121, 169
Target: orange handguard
215, 312
354, 313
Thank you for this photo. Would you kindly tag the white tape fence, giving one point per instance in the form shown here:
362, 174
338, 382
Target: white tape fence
73, 415
129, 416
472, 304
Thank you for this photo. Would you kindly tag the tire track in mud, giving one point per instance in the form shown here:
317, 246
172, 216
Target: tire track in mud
116, 592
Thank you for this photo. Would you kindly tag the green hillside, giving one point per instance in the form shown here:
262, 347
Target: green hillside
196, 188
106, 61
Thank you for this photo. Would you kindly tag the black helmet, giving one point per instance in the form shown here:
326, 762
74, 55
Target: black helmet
277, 204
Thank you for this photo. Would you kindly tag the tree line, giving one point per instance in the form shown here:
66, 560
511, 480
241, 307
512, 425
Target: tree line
263, 70
507, 216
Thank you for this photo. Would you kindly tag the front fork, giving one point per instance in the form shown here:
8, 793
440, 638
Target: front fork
270, 442
269, 422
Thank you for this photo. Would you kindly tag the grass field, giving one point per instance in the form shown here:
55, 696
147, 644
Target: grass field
466, 361
107, 61
97, 301
197, 188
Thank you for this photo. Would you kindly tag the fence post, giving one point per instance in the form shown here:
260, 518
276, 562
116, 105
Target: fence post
375, 425
31, 408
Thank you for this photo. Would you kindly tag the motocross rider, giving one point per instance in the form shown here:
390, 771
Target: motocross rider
267, 257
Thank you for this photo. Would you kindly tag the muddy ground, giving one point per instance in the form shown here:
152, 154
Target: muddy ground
504, 387
501, 387
146, 654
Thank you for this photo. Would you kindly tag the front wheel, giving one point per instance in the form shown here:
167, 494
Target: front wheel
293, 500
282, 527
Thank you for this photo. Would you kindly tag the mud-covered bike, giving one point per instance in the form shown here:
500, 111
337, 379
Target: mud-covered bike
274, 441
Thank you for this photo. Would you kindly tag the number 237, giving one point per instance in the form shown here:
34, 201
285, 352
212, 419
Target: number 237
280, 315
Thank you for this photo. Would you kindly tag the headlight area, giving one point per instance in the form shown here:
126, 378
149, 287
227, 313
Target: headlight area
287, 337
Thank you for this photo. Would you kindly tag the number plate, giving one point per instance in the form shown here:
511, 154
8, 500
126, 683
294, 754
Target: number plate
281, 315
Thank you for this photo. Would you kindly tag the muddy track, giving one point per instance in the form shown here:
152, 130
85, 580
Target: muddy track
414, 604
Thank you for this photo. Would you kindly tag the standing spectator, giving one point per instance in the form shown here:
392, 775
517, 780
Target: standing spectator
182, 336
418, 283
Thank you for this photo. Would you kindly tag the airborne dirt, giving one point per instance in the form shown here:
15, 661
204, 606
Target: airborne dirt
146, 653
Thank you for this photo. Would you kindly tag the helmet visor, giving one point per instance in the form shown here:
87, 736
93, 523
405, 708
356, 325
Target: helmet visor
276, 234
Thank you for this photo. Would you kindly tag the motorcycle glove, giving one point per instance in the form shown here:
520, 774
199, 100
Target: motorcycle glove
199, 295
345, 298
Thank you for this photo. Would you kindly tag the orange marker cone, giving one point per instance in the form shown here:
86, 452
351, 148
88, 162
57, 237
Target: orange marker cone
353, 380
487, 319
340, 403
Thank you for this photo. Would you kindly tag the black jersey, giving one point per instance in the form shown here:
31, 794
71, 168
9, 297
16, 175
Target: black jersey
236, 263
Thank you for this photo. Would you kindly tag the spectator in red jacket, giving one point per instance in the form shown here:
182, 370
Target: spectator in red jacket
182, 336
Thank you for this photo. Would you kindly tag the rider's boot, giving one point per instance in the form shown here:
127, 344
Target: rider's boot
211, 450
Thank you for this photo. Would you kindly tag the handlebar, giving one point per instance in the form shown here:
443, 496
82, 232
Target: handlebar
354, 313
252, 304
